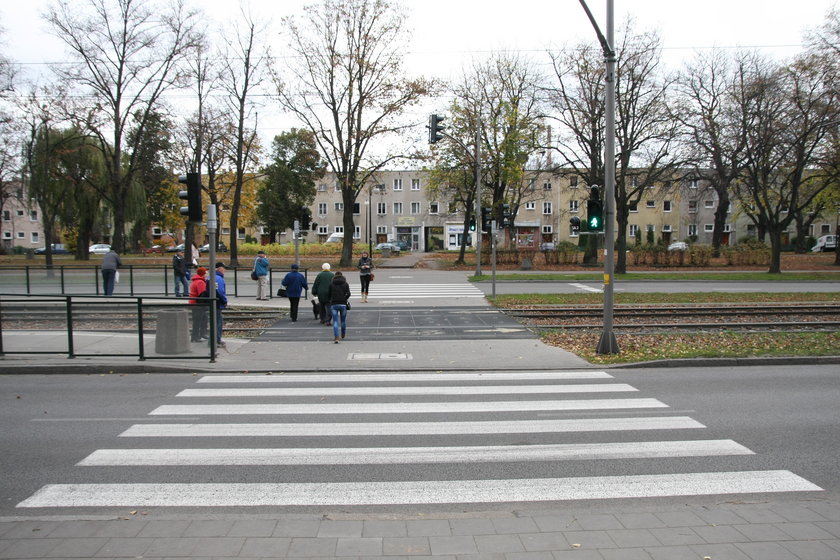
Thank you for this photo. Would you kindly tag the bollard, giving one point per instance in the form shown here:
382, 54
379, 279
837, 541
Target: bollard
173, 331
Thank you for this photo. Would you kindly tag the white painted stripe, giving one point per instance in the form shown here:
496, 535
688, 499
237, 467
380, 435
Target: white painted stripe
415, 455
309, 429
436, 390
404, 407
586, 288
406, 377
416, 492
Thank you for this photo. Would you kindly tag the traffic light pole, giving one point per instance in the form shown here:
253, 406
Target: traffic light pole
608, 343
478, 233
212, 225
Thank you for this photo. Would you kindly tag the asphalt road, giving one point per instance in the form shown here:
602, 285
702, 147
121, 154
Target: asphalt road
777, 419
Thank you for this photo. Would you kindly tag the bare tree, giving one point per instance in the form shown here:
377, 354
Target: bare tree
127, 54
346, 85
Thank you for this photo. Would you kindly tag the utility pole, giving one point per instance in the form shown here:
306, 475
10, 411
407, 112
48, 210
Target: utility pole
478, 195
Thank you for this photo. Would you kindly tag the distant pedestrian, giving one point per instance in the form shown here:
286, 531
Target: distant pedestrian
339, 297
365, 274
198, 289
179, 267
110, 263
261, 267
295, 283
321, 289
221, 301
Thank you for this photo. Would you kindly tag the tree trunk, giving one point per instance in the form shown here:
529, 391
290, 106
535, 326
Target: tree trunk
720, 221
621, 244
775, 252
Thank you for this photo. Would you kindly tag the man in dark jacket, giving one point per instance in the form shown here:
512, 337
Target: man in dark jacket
295, 283
339, 296
179, 267
321, 288
110, 263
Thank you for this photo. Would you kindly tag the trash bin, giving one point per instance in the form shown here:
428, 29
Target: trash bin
386, 252
30, 254
172, 333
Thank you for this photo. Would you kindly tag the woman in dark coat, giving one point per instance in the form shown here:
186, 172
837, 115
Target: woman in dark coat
339, 296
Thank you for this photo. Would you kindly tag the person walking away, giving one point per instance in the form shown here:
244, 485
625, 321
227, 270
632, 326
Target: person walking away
179, 266
365, 274
261, 266
110, 263
221, 302
339, 296
198, 289
295, 284
321, 289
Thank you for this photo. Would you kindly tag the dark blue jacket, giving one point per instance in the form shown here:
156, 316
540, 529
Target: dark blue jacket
295, 283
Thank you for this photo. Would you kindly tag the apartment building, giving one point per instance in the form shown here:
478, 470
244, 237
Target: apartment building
21, 222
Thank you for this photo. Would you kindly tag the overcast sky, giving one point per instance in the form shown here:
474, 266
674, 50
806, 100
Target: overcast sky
447, 34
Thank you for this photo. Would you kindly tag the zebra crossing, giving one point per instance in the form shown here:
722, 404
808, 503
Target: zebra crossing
335, 440
386, 291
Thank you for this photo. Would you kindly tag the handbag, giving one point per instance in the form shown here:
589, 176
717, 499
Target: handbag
372, 276
281, 292
348, 305
117, 277
254, 275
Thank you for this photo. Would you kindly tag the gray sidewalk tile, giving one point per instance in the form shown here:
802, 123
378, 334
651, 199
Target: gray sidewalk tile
119, 547
671, 536
218, 546
720, 552
639, 521
359, 546
406, 546
340, 528
601, 522
473, 526
428, 528
308, 547
29, 548
209, 528
590, 539
31, 529
762, 532
265, 547
296, 528
253, 528
797, 513
680, 519
545, 541
82, 547
718, 516
633, 538
485, 556
829, 510
804, 531
758, 514
540, 555
498, 543
508, 525
833, 543
120, 528
672, 553
452, 545
172, 546
720, 534
577, 555
560, 522
80, 528
811, 550
626, 554
167, 528
384, 528
832, 527
766, 551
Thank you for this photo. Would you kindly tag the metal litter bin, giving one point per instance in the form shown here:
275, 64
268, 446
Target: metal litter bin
172, 333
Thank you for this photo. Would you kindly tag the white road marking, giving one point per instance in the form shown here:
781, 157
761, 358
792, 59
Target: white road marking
415, 492
586, 288
419, 390
406, 377
311, 429
404, 407
413, 455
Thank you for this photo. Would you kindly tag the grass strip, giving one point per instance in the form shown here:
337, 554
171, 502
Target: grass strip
663, 276
513, 300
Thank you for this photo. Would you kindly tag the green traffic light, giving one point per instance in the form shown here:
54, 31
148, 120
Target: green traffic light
593, 222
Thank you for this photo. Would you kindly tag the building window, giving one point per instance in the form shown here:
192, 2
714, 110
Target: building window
573, 206
633, 207
666, 205
692, 206
666, 228
709, 203
339, 229
7, 215
337, 186
398, 208
19, 212
546, 208
339, 207
7, 235
381, 229
381, 208
532, 184
825, 229
634, 230
530, 206
650, 227
548, 229
692, 229
225, 231
415, 208
34, 237
692, 183
322, 187
357, 232
708, 228
433, 207
357, 208
573, 182
21, 235
546, 186
397, 184
650, 204
156, 231
415, 184
727, 228
322, 209
240, 233
33, 215
323, 230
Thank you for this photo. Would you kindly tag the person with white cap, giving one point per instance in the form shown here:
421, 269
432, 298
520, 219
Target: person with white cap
321, 290
295, 284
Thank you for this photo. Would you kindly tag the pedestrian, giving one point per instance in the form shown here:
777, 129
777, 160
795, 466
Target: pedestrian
339, 298
261, 266
295, 283
321, 290
179, 267
198, 289
110, 263
365, 274
221, 301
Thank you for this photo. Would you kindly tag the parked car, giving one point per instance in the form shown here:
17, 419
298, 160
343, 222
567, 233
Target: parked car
403, 245
825, 243
154, 249
678, 246
220, 248
393, 247
57, 249
547, 246
175, 248
99, 249
337, 237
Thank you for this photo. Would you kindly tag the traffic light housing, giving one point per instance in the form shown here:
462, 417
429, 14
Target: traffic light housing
192, 196
435, 129
472, 223
507, 216
486, 217
595, 210
575, 223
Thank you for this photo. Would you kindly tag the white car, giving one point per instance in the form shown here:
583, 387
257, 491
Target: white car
825, 243
99, 249
678, 246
